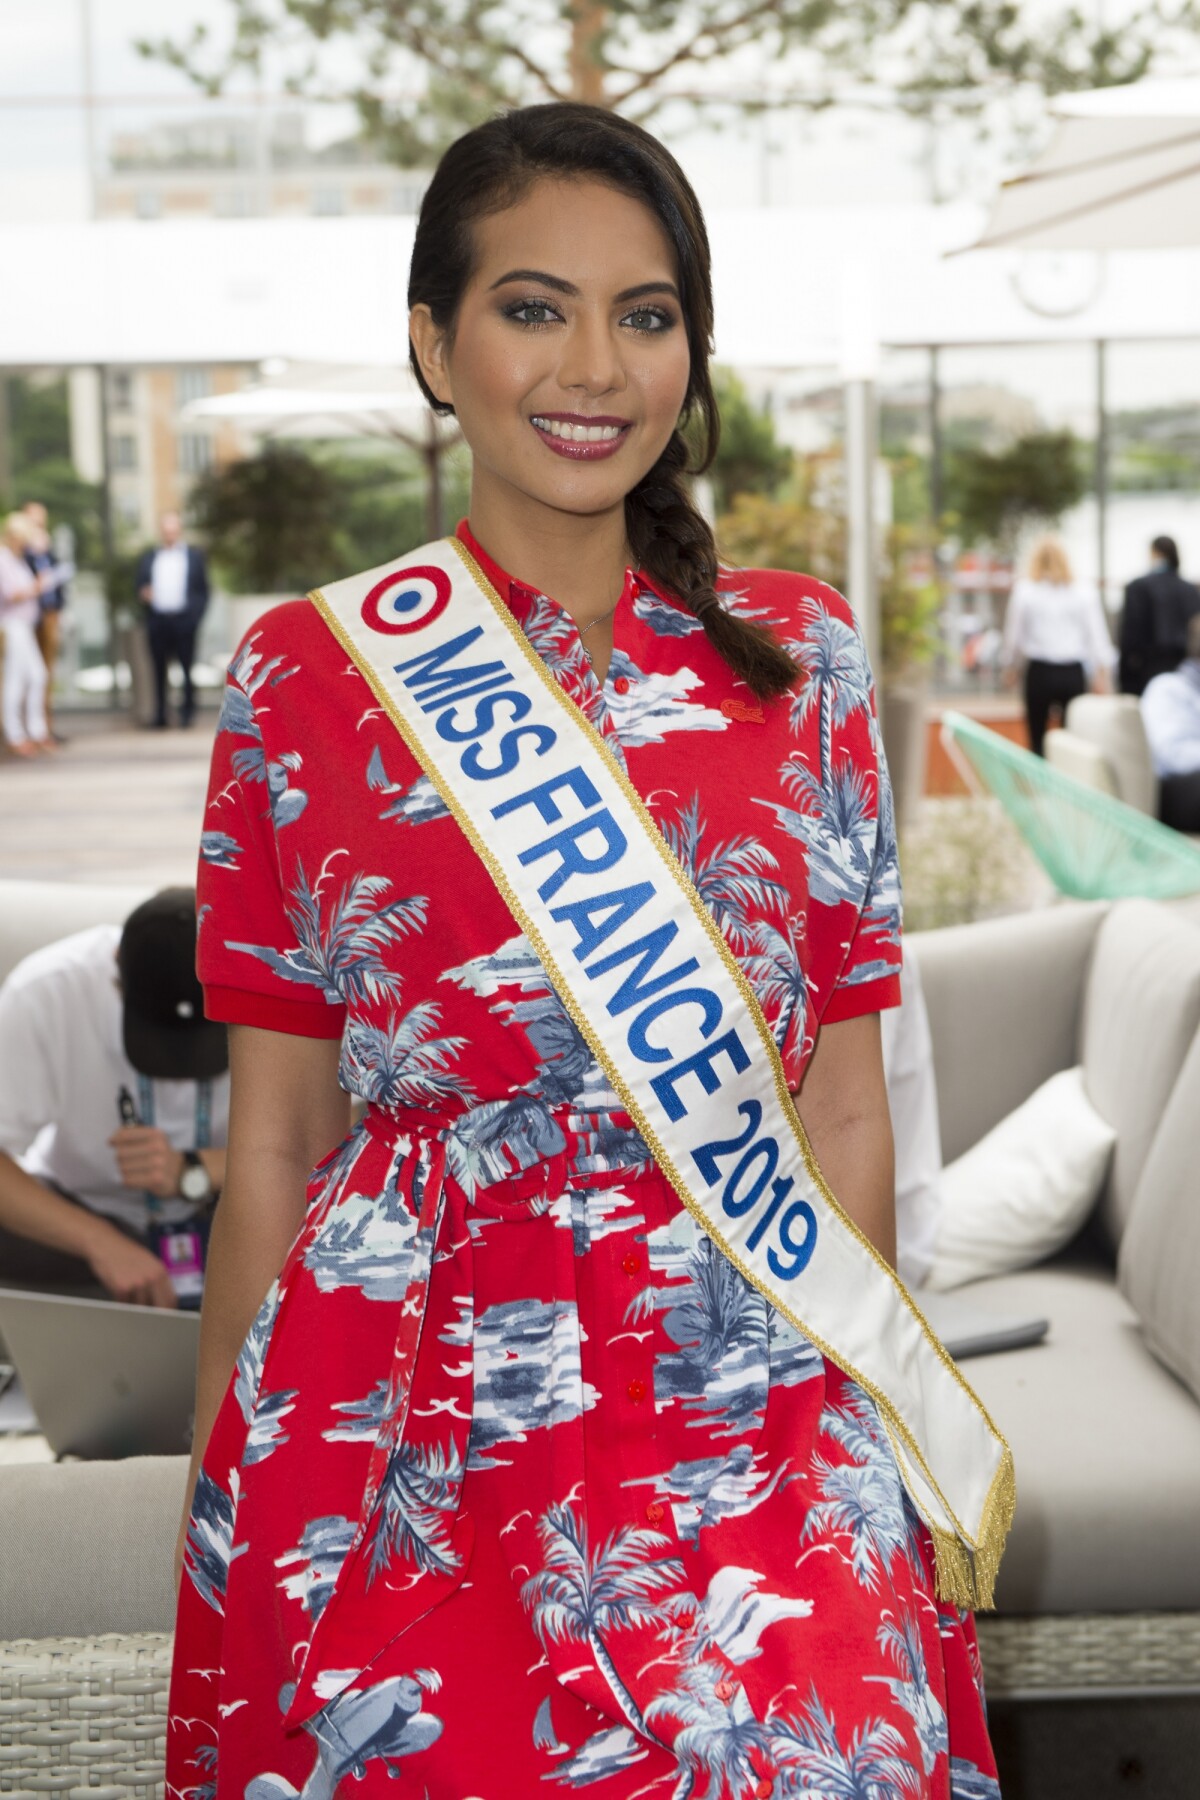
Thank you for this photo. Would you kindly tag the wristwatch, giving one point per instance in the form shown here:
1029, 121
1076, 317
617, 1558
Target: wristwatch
195, 1183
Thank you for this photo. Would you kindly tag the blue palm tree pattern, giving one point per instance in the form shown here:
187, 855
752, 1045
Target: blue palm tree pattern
518, 1486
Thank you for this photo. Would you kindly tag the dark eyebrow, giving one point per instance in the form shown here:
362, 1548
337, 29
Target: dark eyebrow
560, 286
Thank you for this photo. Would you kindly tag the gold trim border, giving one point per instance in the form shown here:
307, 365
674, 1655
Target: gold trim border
966, 1564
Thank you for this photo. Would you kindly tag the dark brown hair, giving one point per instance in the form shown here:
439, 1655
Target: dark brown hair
489, 169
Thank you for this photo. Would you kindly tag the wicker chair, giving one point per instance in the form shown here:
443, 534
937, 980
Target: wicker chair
1092, 845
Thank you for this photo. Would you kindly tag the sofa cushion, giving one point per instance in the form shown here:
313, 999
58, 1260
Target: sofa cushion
1141, 1011
1159, 1265
1023, 1191
88, 1547
1004, 999
1113, 723
1107, 1451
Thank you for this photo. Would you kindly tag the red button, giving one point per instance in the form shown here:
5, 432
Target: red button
621, 684
764, 1789
631, 1263
636, 1390
654, 1513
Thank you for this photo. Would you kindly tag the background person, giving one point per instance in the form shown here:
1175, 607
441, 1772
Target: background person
1171, 716
51, 603
1056, 626
1154, 622
24, 703
172, 583
85, 1199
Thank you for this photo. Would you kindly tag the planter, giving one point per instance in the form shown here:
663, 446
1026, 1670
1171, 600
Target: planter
903, 706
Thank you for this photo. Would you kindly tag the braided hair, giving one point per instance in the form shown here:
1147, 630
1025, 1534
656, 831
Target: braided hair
488, 170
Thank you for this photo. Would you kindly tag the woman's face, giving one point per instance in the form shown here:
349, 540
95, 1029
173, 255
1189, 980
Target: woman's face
569, 361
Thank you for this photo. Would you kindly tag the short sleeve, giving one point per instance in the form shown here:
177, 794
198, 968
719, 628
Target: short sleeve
29, 1097
869, 981
252, 960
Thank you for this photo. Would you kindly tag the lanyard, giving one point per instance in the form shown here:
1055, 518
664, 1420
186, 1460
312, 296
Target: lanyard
203, 1128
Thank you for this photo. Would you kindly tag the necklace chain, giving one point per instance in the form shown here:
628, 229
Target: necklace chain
598, 620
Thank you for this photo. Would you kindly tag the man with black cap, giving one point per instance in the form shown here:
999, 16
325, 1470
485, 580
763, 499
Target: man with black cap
114, 1108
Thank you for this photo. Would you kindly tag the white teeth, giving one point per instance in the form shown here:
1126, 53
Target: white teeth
578, 434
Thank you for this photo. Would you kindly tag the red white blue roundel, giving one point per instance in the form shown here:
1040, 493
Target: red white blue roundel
407, 600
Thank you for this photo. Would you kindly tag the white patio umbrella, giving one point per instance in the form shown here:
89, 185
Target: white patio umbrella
332, 400
1121, 173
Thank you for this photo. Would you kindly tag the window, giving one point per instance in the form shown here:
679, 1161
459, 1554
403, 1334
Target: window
148, 204
233, 203
129, 511
195, 452
327, 201
123, 449
120, 390
192, 384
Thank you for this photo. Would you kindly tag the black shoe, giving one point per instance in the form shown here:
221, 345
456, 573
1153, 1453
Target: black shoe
158, 725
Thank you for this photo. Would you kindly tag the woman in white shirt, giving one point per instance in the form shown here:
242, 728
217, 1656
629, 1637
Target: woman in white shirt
1057, 627
24, 699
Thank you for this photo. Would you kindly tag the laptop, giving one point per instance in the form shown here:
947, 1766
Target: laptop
969, 1327
104, 1379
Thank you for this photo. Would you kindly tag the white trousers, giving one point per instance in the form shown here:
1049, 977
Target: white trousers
24, 683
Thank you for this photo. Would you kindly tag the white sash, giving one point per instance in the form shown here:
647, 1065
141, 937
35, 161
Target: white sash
643, 969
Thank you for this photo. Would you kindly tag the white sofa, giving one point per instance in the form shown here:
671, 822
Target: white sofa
1103, 744
1099, 1595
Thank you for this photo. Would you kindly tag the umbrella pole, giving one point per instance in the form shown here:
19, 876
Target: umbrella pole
433, 480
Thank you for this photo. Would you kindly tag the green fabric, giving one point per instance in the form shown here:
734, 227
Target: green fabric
1092, 846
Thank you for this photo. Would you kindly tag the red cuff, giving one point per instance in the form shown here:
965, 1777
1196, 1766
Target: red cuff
854, 999
299, 1018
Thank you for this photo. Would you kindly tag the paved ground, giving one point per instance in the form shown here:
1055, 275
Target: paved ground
114, 804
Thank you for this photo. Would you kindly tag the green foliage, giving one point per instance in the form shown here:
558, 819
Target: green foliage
479, 56
380, 503
995, 493
750, 459
270, 520
39, 444
806, 531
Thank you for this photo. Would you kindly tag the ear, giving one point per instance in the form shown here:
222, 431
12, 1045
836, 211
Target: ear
429, 342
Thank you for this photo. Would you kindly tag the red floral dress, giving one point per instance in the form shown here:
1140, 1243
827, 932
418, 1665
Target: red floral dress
518, 1487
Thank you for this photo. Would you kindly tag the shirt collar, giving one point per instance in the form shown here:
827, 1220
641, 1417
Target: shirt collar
519, 598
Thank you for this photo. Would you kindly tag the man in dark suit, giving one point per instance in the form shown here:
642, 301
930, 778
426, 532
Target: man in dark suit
172, 583
1155, 621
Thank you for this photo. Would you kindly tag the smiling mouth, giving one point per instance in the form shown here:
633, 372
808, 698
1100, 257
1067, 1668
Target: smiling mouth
580, 439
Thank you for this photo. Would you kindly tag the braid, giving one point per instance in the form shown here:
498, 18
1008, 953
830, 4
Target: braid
673, 541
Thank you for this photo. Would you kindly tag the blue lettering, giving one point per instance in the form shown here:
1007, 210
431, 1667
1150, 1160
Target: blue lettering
430, 665
567, 845
471, 762
487, 681
596, 919
542, 797
704, 998
736, 1203
800, 1212
701, 1066
484, 717
780, 1189
648, 949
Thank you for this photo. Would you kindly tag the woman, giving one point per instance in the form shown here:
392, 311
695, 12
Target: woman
25, 728
519, 1481
1058, 628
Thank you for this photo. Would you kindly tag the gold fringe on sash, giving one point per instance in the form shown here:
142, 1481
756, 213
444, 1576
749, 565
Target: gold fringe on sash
966, 1578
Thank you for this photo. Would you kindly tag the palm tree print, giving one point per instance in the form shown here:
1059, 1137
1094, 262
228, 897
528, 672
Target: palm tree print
776, 974
341, 948
872, 1765
718, 1734
837, 824
416, 1510
863, 1500
901, 1639
730, 878
577, 1597
839, 681
402, 1063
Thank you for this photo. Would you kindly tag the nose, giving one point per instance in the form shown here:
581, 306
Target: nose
591, 359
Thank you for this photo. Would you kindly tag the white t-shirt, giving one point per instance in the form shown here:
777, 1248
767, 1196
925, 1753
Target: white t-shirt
15, 577
912, 1099
168, 579
1171, 716
1049, 623
62, 1065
